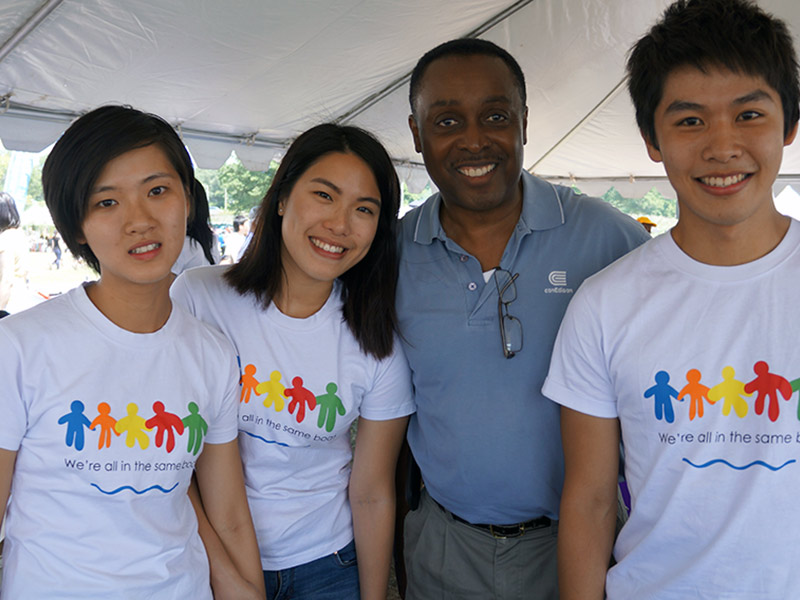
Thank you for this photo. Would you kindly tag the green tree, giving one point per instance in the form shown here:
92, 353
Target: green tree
5, 156
243, 189
652, 203
210, 181
35, 190
408, 198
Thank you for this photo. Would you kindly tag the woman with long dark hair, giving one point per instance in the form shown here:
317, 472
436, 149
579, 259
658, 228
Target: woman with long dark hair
310, 312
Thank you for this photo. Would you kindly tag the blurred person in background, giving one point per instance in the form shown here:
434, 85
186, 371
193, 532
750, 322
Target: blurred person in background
13, 250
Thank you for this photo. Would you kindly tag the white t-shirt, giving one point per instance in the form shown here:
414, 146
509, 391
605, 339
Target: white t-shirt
678, 351
192, 255
98, 504
304, 381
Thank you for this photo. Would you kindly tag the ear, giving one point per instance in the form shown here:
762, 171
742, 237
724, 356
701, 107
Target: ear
652, 149
412, 124
791, 135
525, 126
189, 203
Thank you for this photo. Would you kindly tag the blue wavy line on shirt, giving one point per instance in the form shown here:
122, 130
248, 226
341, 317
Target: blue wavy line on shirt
265, 440
725, 462
135, 491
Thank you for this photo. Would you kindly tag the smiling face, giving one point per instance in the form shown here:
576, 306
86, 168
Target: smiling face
136, 219
329, 220
469, 123
720, 137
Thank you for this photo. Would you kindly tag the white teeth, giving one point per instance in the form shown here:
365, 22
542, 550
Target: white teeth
143, 249
723, 181
476, 171
327, 247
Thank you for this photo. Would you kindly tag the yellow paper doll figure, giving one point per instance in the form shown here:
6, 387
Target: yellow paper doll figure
274, 390
731, 391
135, 426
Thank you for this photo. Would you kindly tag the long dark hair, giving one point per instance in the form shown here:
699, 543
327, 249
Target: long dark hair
369, 286
197, 227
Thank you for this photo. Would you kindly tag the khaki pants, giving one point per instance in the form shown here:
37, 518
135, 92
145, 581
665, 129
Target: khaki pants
450, 560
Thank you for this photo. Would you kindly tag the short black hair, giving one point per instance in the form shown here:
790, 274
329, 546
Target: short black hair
9, 215
79, 156
369, 285
734, 34
238, 221
464, 47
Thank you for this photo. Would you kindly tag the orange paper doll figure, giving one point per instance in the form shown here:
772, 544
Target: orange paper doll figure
274, 390
106, 423
300, 397
249, 383
135, 426
732, 392
768, 385
163, 421
696, 392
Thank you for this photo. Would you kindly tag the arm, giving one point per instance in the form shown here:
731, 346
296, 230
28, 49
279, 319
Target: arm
7, 460
372, 500
403, 508
588, 504
227, 531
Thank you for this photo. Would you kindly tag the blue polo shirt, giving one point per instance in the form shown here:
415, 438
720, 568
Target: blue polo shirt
486, 439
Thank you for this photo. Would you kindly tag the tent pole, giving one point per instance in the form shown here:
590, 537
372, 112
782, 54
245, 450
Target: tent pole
376, 97
29, 25
587, 117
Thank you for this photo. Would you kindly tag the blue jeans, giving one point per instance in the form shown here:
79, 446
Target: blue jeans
332, 577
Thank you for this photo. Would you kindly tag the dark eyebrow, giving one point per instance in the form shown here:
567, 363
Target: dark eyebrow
753, 96
682, 105
148, 179
338, 190
330, 184
487, 100
685, 105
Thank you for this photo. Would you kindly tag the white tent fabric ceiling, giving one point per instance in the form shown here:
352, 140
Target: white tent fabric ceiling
249, 75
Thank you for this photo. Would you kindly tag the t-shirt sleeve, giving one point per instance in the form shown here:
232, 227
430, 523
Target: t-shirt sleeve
579, 377
225, 425
179, 292
390, 396
14, 419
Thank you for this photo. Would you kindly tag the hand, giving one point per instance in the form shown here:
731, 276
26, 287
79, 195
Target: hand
236, 588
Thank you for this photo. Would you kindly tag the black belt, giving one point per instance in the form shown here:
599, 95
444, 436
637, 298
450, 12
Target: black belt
502, 531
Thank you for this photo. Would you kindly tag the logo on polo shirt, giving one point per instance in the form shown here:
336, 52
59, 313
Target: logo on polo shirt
558, 279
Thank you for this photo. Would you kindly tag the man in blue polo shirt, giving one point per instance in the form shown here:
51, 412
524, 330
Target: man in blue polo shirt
488, 266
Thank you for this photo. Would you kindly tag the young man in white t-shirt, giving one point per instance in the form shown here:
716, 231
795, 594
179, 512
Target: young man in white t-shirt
705, 405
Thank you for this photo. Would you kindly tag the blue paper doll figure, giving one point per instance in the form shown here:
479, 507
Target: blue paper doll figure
75, 421
662, 392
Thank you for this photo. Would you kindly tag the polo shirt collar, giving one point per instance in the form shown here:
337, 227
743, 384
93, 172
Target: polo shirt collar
541, 210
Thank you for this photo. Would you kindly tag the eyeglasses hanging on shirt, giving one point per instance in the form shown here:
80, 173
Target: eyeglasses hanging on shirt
510, 326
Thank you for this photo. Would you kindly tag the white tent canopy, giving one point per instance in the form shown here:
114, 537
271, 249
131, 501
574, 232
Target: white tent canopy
249, 75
